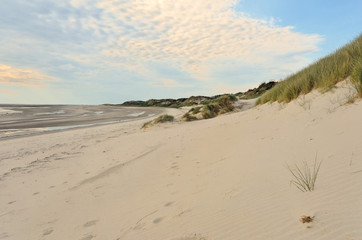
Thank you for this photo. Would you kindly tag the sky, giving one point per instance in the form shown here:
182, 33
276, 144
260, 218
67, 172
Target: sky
111, 51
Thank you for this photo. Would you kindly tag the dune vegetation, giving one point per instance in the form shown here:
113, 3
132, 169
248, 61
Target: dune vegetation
161, 119
212, 108
323, 74
304, 177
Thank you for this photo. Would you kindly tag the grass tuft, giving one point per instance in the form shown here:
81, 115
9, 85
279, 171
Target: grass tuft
304, 177
164, 118
357, 77
161, 119
195, 110
188, 117
146, 124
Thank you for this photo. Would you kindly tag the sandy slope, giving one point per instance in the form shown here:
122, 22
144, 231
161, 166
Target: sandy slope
224, 178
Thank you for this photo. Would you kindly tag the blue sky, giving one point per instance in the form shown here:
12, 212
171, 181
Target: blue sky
110, 51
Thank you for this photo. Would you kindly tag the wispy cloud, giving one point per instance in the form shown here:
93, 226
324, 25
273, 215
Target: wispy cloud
198, 44
192, 32
24, 77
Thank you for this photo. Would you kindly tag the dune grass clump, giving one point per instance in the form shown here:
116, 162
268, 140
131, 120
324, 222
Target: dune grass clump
188, 117
191, 114
219, 106
357, 77
161, 119
146, 125
164, 118
211, 108
195, 110
323, 74
304, 177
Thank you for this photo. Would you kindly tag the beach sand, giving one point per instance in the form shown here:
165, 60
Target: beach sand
223, 178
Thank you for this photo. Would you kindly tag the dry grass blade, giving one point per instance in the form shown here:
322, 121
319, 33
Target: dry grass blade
306, 219
304, 177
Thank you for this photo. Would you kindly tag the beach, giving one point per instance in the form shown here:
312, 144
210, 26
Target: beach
222, 178
18, 120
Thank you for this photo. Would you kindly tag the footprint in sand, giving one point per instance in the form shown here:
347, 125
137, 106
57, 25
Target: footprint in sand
88, 237
194, 237
36, 193
169, 204
48, 231
90, 223
174, 166
157, 220
4, 235
11, 202
140, 226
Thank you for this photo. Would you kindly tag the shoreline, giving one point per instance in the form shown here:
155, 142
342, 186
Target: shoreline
221, 178
18, 128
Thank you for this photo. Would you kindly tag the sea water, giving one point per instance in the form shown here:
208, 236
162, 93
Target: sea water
24, 120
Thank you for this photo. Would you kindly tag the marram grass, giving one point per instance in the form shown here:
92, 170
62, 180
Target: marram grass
323, 74
304, 177
161, 119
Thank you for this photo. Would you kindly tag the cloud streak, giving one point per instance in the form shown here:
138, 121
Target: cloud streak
23, 77
192, 32
191, 45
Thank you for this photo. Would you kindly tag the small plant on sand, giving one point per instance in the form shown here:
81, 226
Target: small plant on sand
160, 119
306, 219
164, 118
146, 124
304, 177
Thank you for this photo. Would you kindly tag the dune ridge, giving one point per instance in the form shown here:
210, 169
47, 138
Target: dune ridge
222, 178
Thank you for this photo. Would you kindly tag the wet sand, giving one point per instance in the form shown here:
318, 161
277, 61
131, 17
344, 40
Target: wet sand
20, 120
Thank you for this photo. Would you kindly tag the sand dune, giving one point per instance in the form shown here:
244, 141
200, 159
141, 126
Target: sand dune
223, 178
